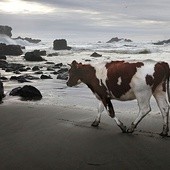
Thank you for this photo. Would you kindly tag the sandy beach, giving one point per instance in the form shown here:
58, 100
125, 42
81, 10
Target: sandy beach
54, 137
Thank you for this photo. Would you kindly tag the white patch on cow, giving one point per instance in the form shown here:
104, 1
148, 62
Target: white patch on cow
119, 81
101, 72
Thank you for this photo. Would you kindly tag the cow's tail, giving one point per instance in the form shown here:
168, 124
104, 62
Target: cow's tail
167, 84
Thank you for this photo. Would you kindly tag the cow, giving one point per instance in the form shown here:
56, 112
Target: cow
123, 81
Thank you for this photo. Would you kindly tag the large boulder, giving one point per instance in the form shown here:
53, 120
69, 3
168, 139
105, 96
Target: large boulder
27, 92
34, 56
2, 95
6, 30
60, 44
14, 50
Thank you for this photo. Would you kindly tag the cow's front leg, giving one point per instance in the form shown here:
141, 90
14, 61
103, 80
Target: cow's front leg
98, 118
109, 107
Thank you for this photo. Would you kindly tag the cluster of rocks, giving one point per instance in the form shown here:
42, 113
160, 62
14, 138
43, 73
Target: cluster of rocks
35, 55
116, 39
14, 50
162, 42
30, 40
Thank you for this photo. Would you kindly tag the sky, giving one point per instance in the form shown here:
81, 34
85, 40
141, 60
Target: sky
88, 20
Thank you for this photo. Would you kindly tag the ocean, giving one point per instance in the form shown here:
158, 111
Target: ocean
55, 91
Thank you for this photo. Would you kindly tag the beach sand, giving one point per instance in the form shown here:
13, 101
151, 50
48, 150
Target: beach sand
61, 138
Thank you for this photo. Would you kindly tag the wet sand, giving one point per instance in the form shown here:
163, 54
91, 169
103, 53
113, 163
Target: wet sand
61, 138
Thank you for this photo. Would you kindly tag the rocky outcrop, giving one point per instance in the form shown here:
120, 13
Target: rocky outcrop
27, 92
116, 39
34, 56
30, 40
6, 30
162, 42
60, 44
13, 50
95, 55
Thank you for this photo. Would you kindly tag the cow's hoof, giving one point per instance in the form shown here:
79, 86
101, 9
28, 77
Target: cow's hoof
163, 134
130, 130
123, 128
95, 123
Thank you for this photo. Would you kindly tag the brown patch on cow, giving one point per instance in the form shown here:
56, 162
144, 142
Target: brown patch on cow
149, 80
160, 75
122, 69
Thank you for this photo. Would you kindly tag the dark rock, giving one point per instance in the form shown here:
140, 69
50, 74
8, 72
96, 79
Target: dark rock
3, 64
116, 39
50, 69
27, 92
59, 65
63, 76
17, 72
2, 57
35, 68
2, 95
6, 30
87, 60
55, 73
145, 51
162, 42
95, 55
20, 79
62, 70
35, 41
49, 62
33, 56
45, 77
13, 67
38, 72
14, 50
60, 44
43, 53
15, 91
52, 54
22, 69
3, 78
29, 77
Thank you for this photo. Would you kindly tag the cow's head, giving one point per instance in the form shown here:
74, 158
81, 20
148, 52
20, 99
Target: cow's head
74, 74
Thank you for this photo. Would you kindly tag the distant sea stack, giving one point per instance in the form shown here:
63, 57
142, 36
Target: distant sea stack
116, 39
60, 44
6, 30
162, 42
35, 41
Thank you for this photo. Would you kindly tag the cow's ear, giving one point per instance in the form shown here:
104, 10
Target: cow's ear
74, 64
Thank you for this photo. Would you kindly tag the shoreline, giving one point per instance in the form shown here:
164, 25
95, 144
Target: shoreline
55, 137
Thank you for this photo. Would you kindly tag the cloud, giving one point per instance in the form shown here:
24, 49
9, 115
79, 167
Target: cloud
95, 19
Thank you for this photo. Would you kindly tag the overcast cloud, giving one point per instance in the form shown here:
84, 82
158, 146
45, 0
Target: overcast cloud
144, 20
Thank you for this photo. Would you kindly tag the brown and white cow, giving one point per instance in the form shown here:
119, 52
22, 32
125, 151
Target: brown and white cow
124, 80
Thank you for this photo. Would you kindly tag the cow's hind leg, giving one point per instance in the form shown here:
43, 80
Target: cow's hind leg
144, 108
160, 97
98, 118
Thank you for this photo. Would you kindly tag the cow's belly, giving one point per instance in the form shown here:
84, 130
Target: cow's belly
127, 96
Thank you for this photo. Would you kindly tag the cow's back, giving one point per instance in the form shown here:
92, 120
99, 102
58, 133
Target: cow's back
123, 78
